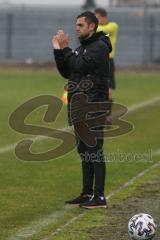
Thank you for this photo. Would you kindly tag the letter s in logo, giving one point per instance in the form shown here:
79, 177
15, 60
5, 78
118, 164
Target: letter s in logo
17, 122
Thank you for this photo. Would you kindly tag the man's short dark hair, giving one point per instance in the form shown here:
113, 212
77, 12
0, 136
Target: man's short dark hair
101, 11
90, 17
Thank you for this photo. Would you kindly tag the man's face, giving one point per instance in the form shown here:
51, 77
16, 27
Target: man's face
84, 29
102, 20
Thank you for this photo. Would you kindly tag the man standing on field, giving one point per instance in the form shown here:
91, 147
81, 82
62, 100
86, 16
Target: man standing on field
112, 29
87, 70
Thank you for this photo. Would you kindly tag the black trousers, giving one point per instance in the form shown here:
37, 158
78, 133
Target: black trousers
112, 82
93, 166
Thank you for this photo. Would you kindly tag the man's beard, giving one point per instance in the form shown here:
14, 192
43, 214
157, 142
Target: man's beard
81, 38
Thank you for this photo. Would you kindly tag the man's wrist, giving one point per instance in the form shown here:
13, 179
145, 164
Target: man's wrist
67, 52
63, 47
66, 49
56, 45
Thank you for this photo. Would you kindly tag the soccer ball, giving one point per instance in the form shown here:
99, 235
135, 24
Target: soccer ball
142, 227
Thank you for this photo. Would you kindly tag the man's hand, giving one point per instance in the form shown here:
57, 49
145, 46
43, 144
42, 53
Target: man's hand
55, 42
61, 40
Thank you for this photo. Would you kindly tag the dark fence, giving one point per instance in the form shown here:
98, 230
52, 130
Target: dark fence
26, 32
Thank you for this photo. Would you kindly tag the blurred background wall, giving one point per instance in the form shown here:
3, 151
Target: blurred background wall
26, 31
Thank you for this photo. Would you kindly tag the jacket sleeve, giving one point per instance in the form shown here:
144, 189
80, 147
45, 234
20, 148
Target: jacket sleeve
88, 61
61, 63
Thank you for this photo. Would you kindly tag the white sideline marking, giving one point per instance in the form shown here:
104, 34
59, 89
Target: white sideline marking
72, 220
132, 108
156, 153
12, 146
146, 103
141, 174
8, 148
35, 227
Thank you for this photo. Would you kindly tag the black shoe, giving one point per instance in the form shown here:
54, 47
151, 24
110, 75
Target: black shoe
80, 199
95, 202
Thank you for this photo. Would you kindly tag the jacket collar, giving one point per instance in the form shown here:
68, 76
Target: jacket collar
87, 41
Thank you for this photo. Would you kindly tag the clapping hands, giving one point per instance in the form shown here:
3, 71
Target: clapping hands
60, 40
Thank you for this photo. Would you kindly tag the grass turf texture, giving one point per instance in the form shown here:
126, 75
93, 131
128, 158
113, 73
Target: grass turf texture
30, 191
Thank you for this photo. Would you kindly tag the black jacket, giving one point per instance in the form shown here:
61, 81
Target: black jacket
87, 68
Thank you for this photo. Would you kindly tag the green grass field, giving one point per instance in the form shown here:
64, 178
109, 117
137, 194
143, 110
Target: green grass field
32, 194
